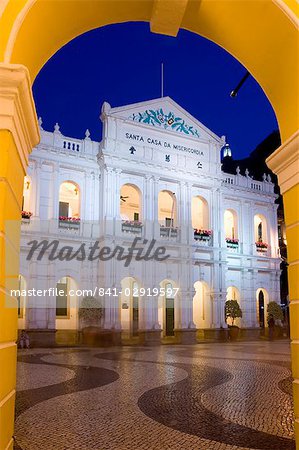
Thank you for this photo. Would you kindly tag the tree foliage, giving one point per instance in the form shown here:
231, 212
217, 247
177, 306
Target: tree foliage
275, 310
90, 310
232, 310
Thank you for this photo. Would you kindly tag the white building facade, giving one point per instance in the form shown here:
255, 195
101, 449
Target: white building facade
156, 174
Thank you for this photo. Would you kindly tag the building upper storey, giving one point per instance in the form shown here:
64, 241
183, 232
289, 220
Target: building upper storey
157, 137
155, 173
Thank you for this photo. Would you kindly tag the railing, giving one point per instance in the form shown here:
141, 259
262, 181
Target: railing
70, 145
58, 143
133, 227
248, 183
25, 220
168, 232
203, 238
232, 245
69, 224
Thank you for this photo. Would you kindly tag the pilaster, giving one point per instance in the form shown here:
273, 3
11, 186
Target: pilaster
18, 135
284, 162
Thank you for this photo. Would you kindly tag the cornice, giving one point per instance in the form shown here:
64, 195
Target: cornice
17, 109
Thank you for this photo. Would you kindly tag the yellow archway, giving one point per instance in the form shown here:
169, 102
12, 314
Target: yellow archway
31, 31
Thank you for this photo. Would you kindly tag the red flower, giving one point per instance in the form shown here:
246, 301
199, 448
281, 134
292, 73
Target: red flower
69, 219
26, 214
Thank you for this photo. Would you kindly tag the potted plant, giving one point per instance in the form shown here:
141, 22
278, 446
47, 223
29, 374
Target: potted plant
233, 312
90, 314
274, 315
69, 222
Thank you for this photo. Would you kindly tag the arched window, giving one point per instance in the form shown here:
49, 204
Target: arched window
200, 213
130, 203
262, 300
230, 224
26, 206
260, 228
69, 201
167, 205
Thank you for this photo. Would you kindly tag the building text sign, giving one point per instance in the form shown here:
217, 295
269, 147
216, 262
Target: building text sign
143, 139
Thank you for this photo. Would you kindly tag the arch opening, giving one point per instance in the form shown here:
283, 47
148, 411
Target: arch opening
167, 209
130, 203
200, 213
260, 228
262, 300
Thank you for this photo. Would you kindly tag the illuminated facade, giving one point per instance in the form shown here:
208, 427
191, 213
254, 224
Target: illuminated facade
156, 174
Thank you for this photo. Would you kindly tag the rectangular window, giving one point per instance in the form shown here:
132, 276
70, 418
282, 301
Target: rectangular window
64, 209
61, 300
20, 299
136, 217
168, 222
19, 307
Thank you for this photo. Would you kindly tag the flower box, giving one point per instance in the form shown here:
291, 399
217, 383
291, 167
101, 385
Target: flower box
202, 235
26, 215
261, 246
232, 243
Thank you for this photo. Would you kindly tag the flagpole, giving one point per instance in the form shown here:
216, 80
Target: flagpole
162, 80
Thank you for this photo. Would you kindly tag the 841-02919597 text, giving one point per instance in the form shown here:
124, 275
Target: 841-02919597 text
138, 292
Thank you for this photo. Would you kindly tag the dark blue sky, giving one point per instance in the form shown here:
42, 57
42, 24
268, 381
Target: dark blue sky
121, 64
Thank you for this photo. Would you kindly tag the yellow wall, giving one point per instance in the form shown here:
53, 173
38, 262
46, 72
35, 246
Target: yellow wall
11, 185
291, 204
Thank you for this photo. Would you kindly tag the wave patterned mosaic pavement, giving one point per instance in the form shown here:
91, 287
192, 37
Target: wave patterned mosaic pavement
208, 396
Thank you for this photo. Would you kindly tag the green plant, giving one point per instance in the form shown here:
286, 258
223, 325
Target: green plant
90, 310
232, 310
274, 310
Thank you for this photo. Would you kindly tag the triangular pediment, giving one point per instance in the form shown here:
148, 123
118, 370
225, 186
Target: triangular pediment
164, 114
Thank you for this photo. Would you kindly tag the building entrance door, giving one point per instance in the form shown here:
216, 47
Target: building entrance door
135, 316
261, 309
169, 317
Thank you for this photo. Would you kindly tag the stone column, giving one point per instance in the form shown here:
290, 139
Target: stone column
148, 207
149, 327
185, 328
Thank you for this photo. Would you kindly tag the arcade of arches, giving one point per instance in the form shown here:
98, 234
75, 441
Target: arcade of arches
27, 42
